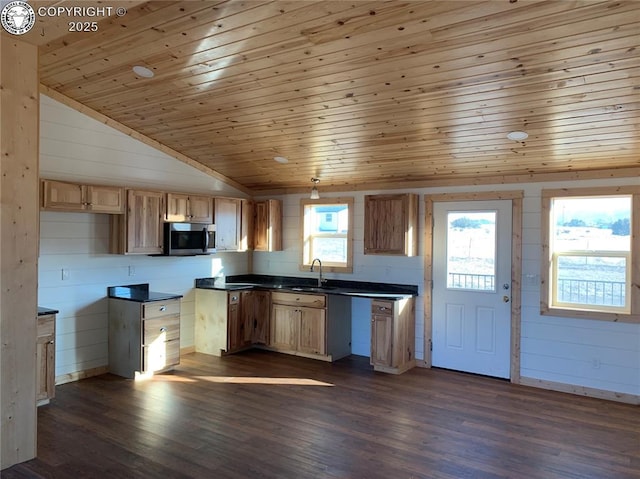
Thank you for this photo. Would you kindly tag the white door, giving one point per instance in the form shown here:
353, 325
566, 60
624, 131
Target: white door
472, 287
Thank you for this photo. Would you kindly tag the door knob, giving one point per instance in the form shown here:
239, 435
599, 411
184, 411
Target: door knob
505, 299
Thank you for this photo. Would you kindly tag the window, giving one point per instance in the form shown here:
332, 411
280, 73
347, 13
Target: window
588, 253
327, 233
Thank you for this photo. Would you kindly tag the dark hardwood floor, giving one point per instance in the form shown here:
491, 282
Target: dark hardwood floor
267, 415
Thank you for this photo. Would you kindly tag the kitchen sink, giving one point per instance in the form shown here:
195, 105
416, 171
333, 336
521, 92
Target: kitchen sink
312, 289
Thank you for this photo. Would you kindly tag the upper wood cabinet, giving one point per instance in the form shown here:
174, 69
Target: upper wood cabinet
189, 208
268, 225
391, 224
140, 230
63, 196
228, 224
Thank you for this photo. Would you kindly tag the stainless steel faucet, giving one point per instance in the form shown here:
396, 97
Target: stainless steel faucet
320, 278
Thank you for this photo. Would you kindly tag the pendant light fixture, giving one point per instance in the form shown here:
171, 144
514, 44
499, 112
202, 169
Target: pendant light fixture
314, 191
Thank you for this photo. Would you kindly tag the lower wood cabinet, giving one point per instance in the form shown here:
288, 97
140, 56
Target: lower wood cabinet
45, 358
229, 321
144, 338
393, 335
312, 325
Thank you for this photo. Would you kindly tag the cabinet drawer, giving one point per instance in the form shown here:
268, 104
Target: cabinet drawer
157, 309
157, 357
166, 328
295, 299
46, 325
382, 307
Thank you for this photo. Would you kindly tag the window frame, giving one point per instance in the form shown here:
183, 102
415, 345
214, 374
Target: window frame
305, 263
547, 292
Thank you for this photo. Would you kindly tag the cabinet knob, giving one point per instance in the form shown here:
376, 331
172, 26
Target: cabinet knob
51, 342
163, 330
163, 308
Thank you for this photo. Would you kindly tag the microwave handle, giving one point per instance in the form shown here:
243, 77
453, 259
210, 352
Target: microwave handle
205, 240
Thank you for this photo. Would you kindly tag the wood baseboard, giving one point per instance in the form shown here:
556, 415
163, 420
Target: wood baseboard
78, 375
581, 390
188, 350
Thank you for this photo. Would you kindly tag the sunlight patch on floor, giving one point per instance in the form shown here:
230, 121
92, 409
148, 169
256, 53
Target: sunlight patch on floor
263, 380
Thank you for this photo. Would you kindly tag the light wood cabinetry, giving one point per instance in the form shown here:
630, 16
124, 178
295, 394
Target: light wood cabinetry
45, 358
189, 208
268, 225
229, 321
393, 335
140, 230
298, 323
391, 224
247, 225
144, 338
63, 196
228, 224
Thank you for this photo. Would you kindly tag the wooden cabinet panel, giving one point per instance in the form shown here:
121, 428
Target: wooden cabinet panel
312, 332
246, 225
391, 224
262, 311
381, 339
159, 309
161, 329
105, 199
145, 210
296, 299
284, 327
268, 225
189, 208
45, 358
63, 196
228, 224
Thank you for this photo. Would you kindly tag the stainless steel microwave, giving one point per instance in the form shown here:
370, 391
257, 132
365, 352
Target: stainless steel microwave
188, 239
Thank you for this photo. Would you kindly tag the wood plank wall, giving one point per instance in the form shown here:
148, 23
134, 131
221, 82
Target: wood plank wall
19, 118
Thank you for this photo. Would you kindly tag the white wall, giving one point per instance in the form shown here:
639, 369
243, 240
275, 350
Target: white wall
75, 147
589, 353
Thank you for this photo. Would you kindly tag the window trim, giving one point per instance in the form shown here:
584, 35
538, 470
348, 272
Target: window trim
633, 272
327, 266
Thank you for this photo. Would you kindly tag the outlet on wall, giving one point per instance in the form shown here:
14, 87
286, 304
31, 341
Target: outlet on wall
65, 274
132, 270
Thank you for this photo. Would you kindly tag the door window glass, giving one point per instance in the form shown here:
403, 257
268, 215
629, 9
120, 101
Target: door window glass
471, 250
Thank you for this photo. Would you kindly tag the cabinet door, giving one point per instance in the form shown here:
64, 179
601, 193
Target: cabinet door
381, 339
234, 328
227, 224
284, 327
45, 357
268, 225
312, 331
390, 224
246, 225
262, 308
145, 210
58, 195
177, 207
201, 209
105, 199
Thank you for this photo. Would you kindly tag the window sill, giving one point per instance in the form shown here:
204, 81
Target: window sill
596, 315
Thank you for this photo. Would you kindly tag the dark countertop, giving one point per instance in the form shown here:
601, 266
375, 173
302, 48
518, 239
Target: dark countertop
309, 285
44, 311
139, 293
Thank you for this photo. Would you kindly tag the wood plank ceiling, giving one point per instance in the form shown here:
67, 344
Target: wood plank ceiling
362, 93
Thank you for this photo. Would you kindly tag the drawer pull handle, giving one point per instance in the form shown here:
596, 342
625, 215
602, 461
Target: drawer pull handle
163, 330
163, 308
51, 342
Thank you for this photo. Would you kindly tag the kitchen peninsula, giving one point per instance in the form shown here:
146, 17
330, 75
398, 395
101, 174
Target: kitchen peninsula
304, 317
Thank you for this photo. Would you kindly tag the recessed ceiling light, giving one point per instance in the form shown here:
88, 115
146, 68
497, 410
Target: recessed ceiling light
144, 72
517, 135
280, 159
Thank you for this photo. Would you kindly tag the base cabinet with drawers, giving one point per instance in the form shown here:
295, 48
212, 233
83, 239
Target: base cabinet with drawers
144, 338
393, 335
